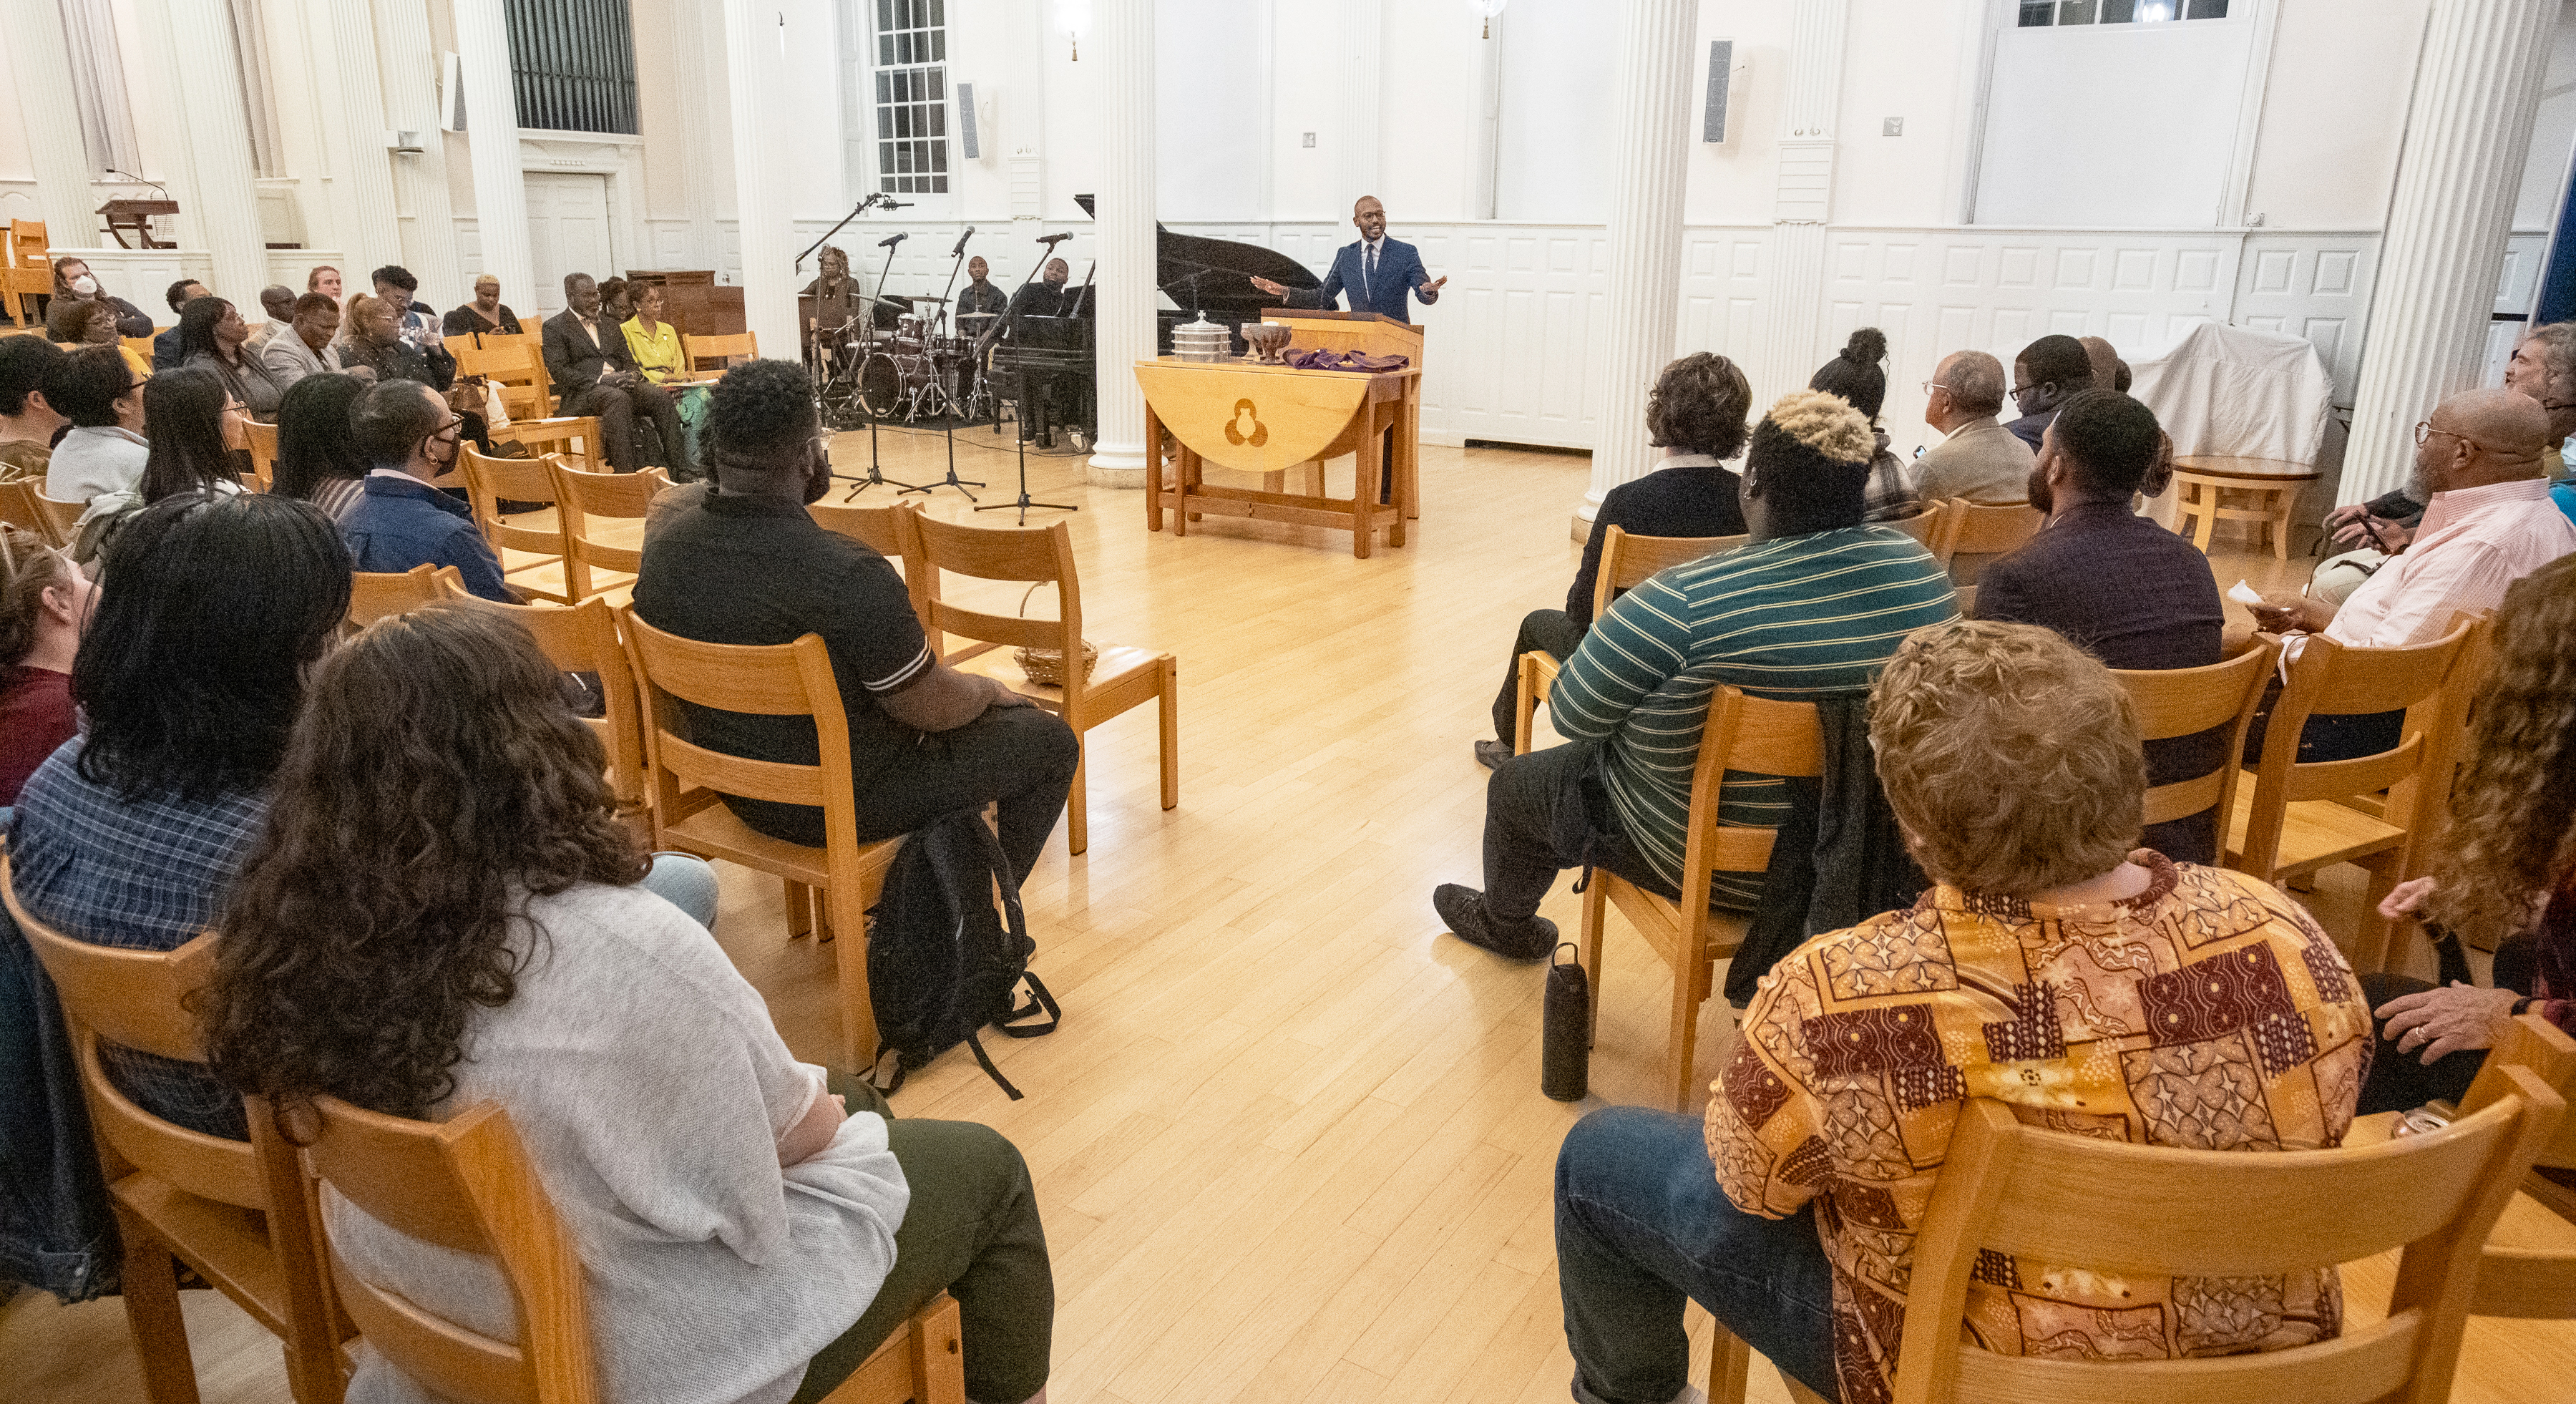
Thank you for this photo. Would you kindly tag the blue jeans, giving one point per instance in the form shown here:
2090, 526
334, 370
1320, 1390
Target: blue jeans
686, 882
1641, 1224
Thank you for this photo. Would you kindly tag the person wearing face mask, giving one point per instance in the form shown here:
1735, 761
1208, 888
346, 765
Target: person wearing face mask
747, 565
73, 280
409, 437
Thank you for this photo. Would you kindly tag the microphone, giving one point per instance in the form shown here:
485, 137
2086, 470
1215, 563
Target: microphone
888, 243
961, 241
895, 204
1053, 239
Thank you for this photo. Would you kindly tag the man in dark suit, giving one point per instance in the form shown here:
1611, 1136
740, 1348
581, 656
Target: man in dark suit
2116, 584
587, 359
1696, 415
1380, 272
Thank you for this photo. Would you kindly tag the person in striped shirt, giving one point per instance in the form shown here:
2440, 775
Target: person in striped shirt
1813, 605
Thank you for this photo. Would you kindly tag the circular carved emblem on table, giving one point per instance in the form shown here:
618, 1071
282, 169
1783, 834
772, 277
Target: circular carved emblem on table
1246, 426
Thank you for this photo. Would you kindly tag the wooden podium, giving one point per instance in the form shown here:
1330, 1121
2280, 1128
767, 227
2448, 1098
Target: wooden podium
135, 216
1257, 418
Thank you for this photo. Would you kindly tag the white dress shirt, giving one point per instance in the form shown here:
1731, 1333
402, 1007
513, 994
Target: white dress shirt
2472, 543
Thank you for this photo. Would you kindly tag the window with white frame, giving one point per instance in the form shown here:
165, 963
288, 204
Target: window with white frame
911, 81
2040, 14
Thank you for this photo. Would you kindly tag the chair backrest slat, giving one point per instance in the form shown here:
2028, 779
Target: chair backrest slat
740, 346
262, 442
1923, 526
374, 595
1630, 561
1982, 529
20, 507
581, 496
773, 680
1754, 735
2178, 702
1036, 555
490, 481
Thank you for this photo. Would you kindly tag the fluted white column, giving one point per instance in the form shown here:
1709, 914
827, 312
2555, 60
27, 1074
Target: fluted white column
1645, 234
166, 135
1123, 40
2477, 88
492, 130
428, 216
1804, 201
40, 64
763, 161
369, 230
210, 102
1360, 77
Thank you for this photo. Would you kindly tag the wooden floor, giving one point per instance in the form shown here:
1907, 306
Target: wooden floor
1289, 1142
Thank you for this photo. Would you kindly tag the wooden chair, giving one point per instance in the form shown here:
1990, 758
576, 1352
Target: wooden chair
725, 351
1626, 562
583, 639
466, 1185
582, 501
1743, 734
489, 482
65, 516
262, 440
684, 781
22, 505
1923, 526
27, 273
2181, 702
887, 531
238, 1213
1122, 677
1981, 531
2530, 1283
373, 595
2295, 821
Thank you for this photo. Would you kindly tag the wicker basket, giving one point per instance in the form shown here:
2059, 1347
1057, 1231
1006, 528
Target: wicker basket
1045, 666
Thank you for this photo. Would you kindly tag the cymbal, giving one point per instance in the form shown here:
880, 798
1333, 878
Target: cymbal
930, 299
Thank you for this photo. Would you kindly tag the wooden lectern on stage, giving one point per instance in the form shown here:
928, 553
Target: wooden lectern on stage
1256, 418
136, 216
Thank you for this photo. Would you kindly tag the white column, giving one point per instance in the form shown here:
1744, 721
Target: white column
763, 162
1645, 234
2477, 88
210, 97
166, 137
492, 130
428, 216
1122, 40
40, 62
1359, 78
1803, 202
369, 231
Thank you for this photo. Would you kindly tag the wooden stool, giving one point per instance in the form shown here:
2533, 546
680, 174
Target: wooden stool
2201, 485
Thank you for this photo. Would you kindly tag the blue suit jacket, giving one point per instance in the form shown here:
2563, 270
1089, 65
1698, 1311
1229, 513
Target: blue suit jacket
401, 522
1399, 272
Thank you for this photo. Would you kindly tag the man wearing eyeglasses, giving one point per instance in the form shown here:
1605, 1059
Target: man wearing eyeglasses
409, 436
1977, 458
2048, 373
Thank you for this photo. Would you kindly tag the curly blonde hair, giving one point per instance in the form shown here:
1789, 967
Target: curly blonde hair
2513, 811
2010, 756
1826, 424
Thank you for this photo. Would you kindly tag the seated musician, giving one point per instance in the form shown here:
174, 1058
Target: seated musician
1044, 298
746, 565
979, 297
829, 302
1058, 400
1695, 414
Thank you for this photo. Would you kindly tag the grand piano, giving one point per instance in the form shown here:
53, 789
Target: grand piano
1053, 360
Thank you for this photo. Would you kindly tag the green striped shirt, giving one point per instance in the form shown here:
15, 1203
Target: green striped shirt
1793, 619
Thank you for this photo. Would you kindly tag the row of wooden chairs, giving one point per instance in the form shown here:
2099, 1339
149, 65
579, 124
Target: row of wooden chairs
26, 270
246, 1218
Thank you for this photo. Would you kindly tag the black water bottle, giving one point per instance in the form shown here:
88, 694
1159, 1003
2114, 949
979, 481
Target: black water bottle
1565, 1045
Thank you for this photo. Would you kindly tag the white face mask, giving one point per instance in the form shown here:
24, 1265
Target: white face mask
85, 285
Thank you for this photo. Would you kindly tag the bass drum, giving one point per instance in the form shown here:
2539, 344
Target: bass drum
882, 386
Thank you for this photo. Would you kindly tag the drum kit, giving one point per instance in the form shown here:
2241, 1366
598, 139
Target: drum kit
911, 371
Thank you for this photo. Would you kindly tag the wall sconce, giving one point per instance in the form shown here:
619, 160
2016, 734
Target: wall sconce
1074, 18
1486, 10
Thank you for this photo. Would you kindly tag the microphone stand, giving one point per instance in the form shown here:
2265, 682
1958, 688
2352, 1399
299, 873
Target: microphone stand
835, 229
876, 476
1023, 502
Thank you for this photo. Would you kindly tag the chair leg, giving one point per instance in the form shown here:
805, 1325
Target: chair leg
1685, 1038
800, 908
1524, 703
1077, 814
1729, 1361
152, 1314
1596, 910
850, 967
1168, 702
2370, 940
938, 1354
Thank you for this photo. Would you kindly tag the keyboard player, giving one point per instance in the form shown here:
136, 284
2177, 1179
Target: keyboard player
1050, 354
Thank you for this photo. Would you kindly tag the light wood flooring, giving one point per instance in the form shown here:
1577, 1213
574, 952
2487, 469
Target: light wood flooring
1289, 1142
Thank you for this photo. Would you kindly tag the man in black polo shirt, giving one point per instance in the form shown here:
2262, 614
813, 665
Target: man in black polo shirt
746, 565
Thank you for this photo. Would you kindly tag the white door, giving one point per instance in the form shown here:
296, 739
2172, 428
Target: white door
567, 233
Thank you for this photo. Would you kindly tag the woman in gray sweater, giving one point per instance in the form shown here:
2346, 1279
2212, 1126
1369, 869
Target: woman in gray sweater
444, 910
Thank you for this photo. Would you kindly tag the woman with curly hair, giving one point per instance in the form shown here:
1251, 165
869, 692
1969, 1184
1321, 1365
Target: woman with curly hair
1696, 414
2507, 866
444, 910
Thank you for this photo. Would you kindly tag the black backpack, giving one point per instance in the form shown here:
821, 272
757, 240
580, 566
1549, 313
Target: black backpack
941, 962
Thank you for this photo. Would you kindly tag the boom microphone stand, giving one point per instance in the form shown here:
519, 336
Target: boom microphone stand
1023, 502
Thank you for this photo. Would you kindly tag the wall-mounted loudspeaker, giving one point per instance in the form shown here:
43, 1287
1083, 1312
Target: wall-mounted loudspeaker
966, 119
1721, 64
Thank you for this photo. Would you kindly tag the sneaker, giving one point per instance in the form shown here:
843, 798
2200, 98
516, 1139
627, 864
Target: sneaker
1492, 754
1463, 910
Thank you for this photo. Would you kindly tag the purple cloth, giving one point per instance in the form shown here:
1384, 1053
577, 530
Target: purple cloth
1345, 361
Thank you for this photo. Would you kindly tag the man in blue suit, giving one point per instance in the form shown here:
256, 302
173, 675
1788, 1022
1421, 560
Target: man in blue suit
1379, 271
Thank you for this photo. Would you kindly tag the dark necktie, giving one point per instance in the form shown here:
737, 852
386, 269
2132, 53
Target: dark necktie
1368, 273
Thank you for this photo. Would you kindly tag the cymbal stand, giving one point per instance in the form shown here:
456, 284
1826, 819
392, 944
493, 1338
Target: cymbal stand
1024, 502
949, 423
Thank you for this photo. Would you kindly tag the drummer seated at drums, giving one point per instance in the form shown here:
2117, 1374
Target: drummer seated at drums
979, 298
588, 359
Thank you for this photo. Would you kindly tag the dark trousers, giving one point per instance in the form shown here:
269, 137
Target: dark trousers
1640, 1225
2399, 1081
618, 407
1551, 629
1546, 812
1019, 758
2327, 738
971, 1230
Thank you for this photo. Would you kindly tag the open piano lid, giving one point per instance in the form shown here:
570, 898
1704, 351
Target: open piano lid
1223, 269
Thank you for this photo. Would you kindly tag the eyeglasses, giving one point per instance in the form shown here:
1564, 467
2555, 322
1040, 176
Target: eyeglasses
236, 407
2425, 430
1931, 385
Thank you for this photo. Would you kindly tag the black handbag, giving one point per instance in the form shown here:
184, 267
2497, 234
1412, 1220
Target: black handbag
1565, 1040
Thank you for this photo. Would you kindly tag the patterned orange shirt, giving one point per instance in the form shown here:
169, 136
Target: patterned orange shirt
2208, 1011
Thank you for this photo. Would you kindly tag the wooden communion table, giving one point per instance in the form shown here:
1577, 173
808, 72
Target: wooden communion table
1265, 419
